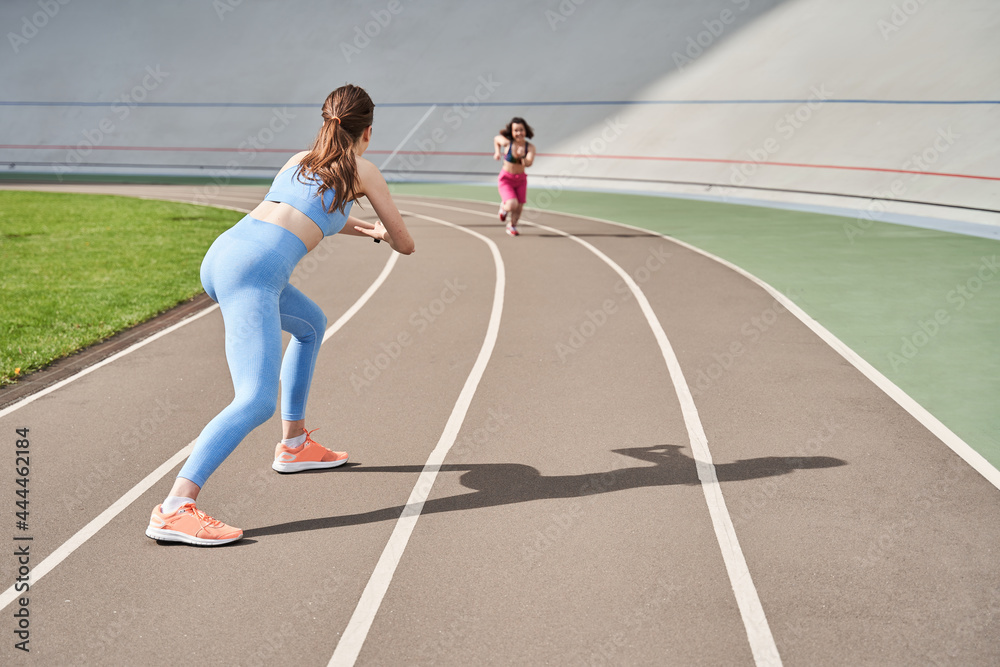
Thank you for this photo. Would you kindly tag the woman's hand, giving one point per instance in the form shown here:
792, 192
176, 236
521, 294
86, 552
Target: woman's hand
357, 227
498, 147
376, 231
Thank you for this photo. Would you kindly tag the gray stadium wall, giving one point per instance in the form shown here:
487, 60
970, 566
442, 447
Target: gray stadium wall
870, 98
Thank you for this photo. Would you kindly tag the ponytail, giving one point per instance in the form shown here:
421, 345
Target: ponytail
331, 161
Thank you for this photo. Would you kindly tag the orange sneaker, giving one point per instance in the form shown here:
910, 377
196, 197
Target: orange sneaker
191, 525
310, 455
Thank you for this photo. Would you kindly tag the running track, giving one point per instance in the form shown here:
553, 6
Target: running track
587, 445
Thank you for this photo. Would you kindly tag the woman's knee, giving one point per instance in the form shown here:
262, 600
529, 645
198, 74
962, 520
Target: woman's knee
257, 408
301, 317
313, 327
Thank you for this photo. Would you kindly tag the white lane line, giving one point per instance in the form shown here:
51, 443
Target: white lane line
762, 645
363, 299
954, 442
765, 652
104, 362
102, 519
951, 439
105, 517
407, 137
368, 605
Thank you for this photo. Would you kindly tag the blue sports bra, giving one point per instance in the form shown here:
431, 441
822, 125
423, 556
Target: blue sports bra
288, 189
509, 157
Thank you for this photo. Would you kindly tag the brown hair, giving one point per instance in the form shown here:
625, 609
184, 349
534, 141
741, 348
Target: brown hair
508, 131
347, 111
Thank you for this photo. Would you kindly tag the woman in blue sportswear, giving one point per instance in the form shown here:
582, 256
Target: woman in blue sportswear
247, 271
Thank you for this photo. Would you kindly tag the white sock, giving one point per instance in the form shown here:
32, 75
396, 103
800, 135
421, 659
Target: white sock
292, 443
171, 504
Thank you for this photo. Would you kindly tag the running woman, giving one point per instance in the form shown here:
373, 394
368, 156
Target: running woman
246, 271
512, 144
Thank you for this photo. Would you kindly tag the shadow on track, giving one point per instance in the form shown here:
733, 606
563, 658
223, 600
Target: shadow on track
497, 484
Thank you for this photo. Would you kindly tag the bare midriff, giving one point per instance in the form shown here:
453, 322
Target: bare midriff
512, 168
292, 219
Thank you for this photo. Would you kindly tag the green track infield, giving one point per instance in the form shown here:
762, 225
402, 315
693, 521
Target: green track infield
921, 306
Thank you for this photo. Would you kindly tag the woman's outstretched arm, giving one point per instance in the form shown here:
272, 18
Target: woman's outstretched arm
353, 227
390, 226
498, 146
529, 156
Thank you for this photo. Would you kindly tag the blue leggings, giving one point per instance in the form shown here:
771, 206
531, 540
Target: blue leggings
246, 271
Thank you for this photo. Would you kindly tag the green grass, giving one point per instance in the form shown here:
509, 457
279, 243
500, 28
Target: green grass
79, 268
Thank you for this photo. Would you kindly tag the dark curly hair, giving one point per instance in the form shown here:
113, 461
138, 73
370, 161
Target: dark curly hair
508, 131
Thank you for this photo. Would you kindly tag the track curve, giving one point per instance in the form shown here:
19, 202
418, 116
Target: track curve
567, 523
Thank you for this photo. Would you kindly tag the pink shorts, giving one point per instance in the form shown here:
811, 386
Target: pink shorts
513, 186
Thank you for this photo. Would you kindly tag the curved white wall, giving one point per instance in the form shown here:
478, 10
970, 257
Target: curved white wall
655, 92
872, 86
